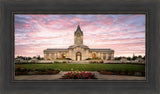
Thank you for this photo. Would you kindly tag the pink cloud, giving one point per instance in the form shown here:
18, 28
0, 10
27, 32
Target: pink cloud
44, 31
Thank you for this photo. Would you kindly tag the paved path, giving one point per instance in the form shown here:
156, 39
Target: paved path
59, 75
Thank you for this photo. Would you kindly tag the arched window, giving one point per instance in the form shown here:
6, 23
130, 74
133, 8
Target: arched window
93, 55
63, 55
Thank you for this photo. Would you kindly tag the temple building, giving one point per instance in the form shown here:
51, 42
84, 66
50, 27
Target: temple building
78, 51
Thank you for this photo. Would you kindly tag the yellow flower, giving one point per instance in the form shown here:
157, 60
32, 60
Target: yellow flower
71, 69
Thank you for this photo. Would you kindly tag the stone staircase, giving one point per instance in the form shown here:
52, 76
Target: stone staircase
79, 62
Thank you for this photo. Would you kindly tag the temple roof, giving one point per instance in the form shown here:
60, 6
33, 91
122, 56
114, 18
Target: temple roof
75, 45
55, 49
102, 50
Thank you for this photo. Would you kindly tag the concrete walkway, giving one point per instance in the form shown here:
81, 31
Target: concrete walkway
59, 75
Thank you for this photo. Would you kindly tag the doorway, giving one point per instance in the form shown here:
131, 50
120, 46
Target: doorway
78, 56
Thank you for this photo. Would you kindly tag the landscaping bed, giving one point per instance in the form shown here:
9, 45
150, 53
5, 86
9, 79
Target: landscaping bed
105, 69
79, 75
122, 72
19, 70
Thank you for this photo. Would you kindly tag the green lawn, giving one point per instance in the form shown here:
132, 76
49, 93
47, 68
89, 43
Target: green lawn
85, 67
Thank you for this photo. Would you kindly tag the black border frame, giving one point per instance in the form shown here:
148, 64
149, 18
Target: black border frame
81, 80
8, 86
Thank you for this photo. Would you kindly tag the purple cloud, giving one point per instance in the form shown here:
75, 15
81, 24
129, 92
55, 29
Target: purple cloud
123, 33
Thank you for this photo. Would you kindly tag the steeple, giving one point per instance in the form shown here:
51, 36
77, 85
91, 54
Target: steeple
78, 36
78, 30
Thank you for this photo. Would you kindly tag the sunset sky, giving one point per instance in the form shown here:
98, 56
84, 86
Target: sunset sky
125, 34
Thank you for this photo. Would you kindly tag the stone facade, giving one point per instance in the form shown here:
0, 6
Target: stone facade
78, 51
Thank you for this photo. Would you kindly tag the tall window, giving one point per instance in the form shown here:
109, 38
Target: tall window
104, 56
93, 55
109, 57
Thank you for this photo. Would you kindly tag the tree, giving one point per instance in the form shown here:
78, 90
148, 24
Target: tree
39, 58
128, 58
20, 57
118, 58
134, 58
34, 56
143, 57
29, 58
139, 56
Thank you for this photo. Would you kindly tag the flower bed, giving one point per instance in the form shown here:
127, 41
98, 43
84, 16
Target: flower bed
79, 75
33, 71
48, 71
126, 72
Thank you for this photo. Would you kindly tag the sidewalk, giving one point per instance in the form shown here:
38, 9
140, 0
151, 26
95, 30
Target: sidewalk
59, 75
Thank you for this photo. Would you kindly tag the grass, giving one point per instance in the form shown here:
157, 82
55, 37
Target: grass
85, 67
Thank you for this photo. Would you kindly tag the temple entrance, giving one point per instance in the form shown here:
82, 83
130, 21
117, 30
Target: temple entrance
63, 56
78, 56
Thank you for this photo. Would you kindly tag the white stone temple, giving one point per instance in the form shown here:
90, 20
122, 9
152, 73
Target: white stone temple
78, 51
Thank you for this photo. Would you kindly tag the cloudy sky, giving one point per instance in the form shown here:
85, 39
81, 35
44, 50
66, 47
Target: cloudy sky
125, 34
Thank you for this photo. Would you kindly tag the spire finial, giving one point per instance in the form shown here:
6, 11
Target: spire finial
78, 27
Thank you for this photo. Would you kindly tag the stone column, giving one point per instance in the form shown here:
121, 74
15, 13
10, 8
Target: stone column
112, 56
107, 56
45, 58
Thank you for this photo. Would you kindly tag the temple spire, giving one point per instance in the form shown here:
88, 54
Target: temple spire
78, 36
79, 30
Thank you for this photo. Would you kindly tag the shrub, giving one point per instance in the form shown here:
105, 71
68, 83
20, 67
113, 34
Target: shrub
50, 69
88, 59
68, 58
41, 70
96, 58
56, 62
20, 69
63, 59
101, 61
64, 62
32, 69
47, 71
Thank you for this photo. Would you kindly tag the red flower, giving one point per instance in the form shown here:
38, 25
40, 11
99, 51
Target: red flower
82, 75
